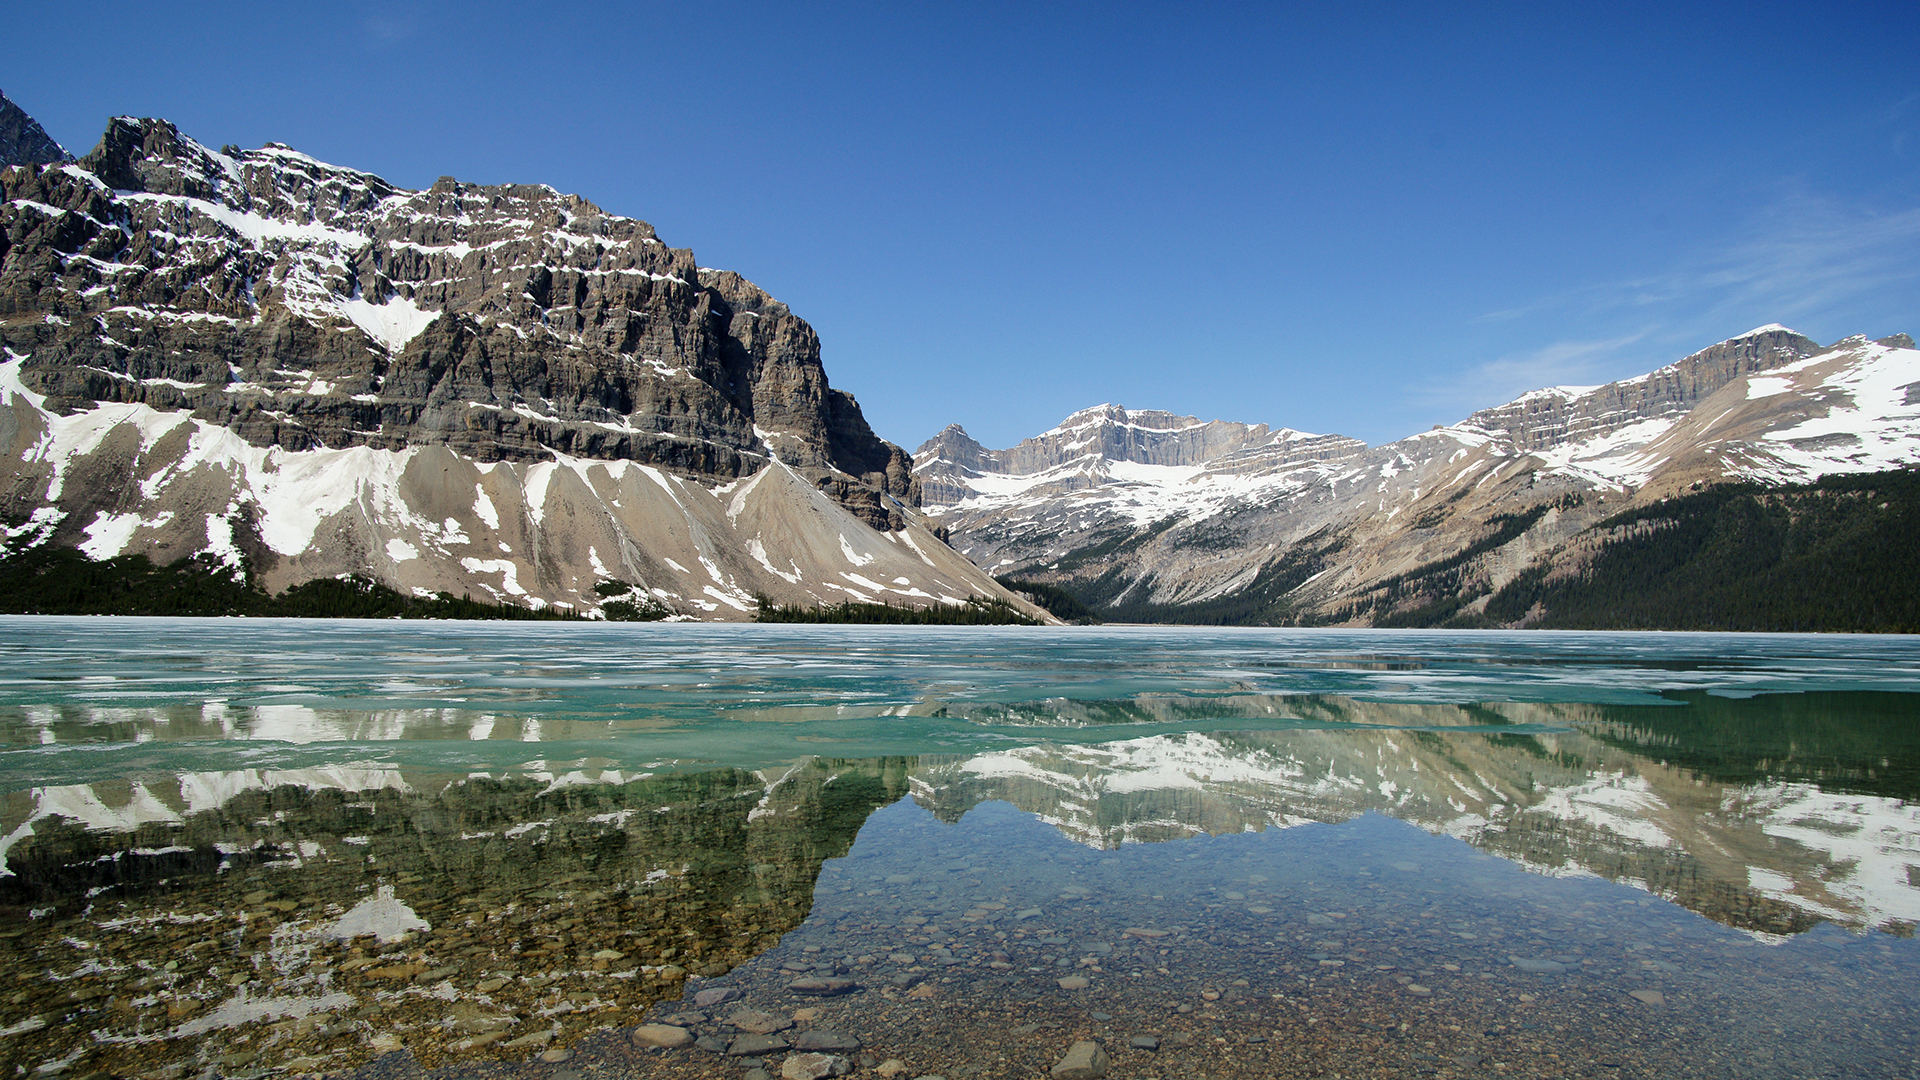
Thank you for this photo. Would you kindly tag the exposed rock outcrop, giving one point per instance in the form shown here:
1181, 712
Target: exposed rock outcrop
305, 306
22, 140
268, 359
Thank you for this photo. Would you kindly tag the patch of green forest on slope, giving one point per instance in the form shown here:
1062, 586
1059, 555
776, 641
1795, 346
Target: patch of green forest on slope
55, 580
1841, 554
1838, 554
1055, 599
976, 611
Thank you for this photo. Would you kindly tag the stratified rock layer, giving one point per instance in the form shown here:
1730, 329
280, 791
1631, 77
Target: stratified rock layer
500, 390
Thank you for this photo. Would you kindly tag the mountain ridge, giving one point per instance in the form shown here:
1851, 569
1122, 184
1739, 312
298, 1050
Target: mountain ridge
1293, 527
304, 371
23, 141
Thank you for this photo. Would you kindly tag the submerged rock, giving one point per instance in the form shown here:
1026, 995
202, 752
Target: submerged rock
1085, 1060
665, 1036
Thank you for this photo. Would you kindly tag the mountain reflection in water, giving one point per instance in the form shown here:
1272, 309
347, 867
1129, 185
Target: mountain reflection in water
1768, 813
176, 921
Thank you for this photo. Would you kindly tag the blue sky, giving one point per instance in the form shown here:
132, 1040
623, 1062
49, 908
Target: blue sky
1307, 215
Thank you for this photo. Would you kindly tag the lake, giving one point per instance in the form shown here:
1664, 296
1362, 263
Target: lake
267, 847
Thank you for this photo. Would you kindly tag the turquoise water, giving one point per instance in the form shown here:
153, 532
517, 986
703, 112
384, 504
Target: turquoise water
1346, 838
95, 696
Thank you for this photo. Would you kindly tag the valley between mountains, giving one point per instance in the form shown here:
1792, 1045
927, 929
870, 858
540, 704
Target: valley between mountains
273, 371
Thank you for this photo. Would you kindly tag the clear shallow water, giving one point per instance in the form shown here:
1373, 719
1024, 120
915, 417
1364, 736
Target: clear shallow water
575, 820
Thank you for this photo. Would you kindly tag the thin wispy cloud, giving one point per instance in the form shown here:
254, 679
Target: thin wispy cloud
1560, 363
1800, 255
390, 26
1801, 258
1809, 255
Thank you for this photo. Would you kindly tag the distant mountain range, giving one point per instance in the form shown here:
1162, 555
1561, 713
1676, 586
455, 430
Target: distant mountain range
290, 370
287, 371
1566, 494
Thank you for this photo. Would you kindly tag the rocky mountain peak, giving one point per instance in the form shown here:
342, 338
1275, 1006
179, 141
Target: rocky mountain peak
508, 321
23, 141
954, 445
1556, 416
1102, 433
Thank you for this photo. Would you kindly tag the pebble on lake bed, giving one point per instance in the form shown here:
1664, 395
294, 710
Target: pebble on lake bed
1538, 967
828, 987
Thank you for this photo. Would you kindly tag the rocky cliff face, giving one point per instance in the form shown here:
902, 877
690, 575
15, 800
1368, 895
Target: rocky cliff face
502, 321
1566, 415
22, 140
189, 332
1307, 528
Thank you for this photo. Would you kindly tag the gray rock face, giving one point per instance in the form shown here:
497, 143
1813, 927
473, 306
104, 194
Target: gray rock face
1555, 417
23, 141
1079, 453
307, 306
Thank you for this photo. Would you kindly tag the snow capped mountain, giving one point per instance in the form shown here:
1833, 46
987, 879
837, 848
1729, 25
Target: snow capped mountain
1160, 461
1148, 510
498, 390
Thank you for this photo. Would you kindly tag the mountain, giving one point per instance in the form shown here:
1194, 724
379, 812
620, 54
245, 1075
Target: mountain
1155, 517
23, 141
292, 370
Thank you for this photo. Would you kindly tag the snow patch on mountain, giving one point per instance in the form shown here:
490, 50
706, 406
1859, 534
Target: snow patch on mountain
1872, 419
392, 324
